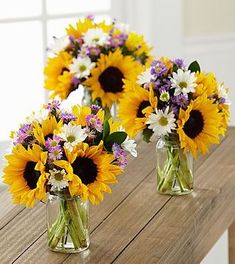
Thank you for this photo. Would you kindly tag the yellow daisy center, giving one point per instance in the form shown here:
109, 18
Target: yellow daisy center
183, 84
82, 68
58, 176
71, 138
163, 121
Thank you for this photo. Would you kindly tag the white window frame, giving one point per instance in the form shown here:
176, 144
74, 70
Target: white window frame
44, 17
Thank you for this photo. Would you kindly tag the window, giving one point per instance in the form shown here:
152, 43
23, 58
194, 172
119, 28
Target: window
26, 28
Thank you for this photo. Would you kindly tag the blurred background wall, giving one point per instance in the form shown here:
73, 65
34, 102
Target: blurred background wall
202, 30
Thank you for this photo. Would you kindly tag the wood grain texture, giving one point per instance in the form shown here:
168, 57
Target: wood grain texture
231, 239
135, 224
187, 227
7, 210
134, 174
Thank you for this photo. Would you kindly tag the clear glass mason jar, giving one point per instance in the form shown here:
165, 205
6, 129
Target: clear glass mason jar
174, 167
86, 99
67, 223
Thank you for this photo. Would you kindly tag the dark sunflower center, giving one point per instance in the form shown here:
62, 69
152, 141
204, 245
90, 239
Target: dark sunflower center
142, 105
111, 80
31, 175
194, 126
49, 136
63, 70
86, 169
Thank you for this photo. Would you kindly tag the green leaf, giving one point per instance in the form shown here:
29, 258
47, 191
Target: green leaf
175, 68
194, 67
106, 129
116, 137
147, 133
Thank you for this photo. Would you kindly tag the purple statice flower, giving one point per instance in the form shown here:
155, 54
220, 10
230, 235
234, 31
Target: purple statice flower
158, 68
52, 143
123, 36
222, 100
93, 121
55, 154
54, 148
120, 155
67, 117
91, 17
181, 100
179, 62
90, 134
84, 51
53, 105
93, 51
75, 81
24, 134
175, 110
95, 108
116, 41
165, 85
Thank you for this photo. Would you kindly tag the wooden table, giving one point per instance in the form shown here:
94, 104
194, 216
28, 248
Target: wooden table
135, 224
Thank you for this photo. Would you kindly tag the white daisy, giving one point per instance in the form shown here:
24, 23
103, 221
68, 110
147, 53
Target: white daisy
59, 45
183, 82
57, 179
145, 77
223, 93
164, 96
38, 116
130, 146
162, 122
95, 37
81, 67
124, 28
72, 135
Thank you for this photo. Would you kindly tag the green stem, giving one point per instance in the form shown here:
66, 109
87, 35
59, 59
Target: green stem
175, 171
72, 220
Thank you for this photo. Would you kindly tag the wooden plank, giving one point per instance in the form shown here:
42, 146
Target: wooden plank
21, 232
7, 210
125, 223
180, 232
134, 175
231, 237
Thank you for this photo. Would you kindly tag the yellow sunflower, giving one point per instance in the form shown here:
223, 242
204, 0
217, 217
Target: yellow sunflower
198, 125
57, 76
90, 170
81, 113
106, 81
135, 107
46, 129
135, 40
83, 25
206, 84
225, 112
25, 173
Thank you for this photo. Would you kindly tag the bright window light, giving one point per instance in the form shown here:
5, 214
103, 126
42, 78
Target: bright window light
77, 6
20, 8
21, 73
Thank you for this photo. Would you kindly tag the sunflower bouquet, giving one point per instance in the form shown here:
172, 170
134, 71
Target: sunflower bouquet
97, 57
185, 108
68, 154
